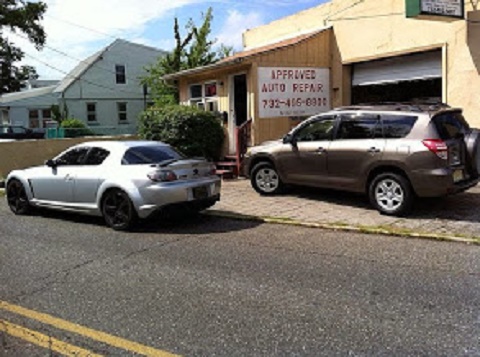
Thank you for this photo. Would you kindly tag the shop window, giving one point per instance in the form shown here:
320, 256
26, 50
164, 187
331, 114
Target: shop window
196, 91
204, 96
33, 119
122, 111
92, 112
210, 90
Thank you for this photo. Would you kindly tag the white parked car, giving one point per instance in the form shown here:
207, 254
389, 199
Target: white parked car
119, 180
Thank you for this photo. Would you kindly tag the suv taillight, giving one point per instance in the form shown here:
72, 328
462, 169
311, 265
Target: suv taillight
438, 147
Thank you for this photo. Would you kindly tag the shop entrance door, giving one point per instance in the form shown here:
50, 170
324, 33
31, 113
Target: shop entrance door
238, 107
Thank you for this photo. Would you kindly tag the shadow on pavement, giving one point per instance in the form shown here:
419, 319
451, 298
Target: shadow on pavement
173, 223
459, 207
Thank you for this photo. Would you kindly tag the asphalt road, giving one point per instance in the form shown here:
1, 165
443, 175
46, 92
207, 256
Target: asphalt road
216, 287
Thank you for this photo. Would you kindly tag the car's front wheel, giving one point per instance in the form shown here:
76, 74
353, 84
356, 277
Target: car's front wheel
265, 179
118, 210
17, 197
391, 194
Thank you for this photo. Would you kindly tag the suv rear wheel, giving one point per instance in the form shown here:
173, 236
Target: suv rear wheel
391, 194
265, 179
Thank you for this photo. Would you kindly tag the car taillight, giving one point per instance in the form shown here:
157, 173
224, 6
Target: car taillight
438, 147
213, 170
162, 176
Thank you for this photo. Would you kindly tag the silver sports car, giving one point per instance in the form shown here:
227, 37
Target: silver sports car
119, 180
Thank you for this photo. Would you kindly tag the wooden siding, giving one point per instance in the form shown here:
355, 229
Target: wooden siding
311, 52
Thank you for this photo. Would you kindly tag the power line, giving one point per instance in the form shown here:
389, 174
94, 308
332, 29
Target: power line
77, 59
366, 16
81, 26
78, 78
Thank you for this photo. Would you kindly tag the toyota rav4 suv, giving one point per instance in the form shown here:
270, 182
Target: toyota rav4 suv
393, 153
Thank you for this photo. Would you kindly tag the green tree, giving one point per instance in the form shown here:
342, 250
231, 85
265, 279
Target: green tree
193, 50
200, 52
19, 16
225, 51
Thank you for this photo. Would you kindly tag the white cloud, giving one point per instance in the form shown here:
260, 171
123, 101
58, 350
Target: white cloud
235, 24
80, 28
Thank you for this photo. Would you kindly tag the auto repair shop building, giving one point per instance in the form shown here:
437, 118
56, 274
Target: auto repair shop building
340, 53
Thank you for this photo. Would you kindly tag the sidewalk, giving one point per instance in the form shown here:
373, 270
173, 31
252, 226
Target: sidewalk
451, 218
454, 217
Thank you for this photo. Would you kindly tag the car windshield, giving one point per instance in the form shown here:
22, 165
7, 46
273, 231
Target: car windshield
150, 155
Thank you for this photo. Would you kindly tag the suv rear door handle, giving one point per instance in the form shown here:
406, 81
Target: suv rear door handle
373, 150
321, 150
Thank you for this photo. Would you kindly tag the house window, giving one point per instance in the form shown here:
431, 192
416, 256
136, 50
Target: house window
92, 112
33, 119
122, 112
204, 96
120, 74
46, 114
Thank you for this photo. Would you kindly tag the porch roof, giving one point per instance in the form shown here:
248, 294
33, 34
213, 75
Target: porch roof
245, 55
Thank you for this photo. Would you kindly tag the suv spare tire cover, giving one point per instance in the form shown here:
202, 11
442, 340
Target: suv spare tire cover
472, 140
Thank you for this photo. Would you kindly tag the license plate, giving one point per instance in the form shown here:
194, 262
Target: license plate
200, 192
457, 175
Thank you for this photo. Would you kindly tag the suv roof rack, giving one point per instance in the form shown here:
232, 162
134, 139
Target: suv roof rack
400, 106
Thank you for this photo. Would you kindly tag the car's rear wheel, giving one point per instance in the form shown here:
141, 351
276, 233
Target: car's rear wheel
265, 179
17, 197
118, 210
391, 194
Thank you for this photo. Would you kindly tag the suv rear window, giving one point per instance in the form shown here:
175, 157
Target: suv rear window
150, 155
397, 126
451, 125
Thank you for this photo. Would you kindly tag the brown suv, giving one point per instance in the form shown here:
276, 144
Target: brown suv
390, 152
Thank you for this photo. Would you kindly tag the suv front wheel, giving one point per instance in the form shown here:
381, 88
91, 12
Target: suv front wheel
265, 179
391, 194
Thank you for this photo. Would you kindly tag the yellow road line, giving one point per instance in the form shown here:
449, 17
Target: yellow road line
85, 331
44, 341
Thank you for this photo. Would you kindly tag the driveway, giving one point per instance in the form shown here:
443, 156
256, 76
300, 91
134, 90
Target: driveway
456, 216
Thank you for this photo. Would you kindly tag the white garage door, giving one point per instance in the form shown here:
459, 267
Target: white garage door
426, 65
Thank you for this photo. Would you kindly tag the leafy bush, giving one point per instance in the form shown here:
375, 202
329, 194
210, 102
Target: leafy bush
75, 128
191, 130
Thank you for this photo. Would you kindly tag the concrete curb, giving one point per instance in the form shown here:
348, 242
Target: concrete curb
349, 228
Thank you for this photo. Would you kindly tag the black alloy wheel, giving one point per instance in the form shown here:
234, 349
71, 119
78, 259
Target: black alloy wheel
17, 197
118, 210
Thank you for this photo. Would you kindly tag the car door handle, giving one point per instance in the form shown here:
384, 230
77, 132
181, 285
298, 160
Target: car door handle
373, 150
68, 178
321, 150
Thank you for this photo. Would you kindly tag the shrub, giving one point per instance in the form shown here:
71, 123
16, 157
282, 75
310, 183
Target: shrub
191, 130
75, 128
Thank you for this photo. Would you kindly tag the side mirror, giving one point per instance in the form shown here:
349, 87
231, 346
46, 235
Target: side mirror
289, 139
51, 163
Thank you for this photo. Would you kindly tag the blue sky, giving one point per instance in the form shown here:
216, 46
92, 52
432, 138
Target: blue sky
76, 29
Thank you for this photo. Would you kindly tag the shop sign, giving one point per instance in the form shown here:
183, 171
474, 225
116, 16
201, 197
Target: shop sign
293, 91
446, 8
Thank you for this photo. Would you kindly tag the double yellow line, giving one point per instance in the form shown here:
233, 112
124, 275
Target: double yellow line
63, 348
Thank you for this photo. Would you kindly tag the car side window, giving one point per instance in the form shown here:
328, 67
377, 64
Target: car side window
318, 130
397, 126
96, 156
361, 126
75, 157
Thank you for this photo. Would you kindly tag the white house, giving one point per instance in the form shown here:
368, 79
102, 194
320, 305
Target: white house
104, 91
